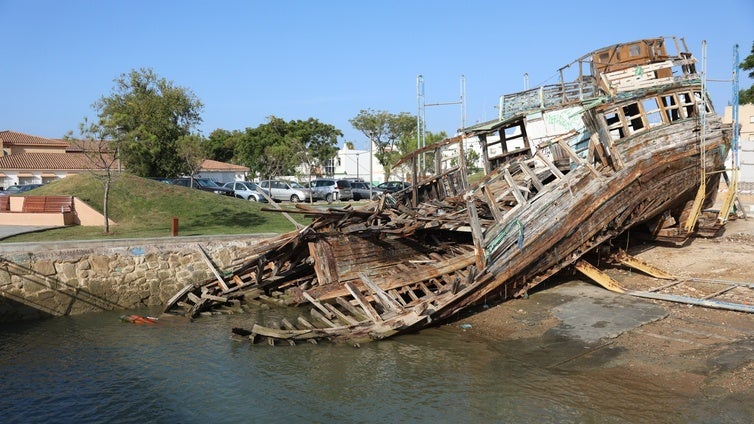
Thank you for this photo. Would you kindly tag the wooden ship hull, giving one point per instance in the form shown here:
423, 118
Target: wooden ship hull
632, 143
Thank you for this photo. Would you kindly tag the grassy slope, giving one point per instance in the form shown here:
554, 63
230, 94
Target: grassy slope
144, 208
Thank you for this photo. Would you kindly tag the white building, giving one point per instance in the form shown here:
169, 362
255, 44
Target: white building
353, 163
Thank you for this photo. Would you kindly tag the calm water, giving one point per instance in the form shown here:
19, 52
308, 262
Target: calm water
95, 368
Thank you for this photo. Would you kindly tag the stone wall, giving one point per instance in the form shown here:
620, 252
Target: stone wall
65, 279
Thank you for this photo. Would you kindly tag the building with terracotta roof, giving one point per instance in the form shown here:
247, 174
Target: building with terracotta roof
29, 159
222, 172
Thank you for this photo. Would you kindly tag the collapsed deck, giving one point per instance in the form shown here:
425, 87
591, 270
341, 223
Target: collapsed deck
636, 144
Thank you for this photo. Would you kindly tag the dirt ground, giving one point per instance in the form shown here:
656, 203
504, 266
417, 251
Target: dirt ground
698, 351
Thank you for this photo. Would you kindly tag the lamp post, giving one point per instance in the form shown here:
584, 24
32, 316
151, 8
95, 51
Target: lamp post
357, 165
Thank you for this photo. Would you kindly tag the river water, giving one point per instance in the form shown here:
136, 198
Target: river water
96, 369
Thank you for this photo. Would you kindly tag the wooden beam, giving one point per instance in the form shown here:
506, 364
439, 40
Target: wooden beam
598, 276
211, 266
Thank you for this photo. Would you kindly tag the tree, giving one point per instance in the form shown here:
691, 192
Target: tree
221, 145
101, 147
747, 95
151, 114
385, 130
278, 147
191, 152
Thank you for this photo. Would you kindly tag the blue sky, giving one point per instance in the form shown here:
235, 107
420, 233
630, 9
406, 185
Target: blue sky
247, 60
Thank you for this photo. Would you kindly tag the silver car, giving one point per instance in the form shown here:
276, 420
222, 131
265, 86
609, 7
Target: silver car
280, 190
245, 190
330, 189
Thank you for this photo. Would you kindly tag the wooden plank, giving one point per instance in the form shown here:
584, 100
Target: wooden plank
318, 305
534, 180
350, 308
194, 298
178, 296
628, 260
380, 295
490, 199
301, 320
598, 276
220, 299
287, 324
341, 316
369, 311
211, 266
477, 234
513, 186
317, 315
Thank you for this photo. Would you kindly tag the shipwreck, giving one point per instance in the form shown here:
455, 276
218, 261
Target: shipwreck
631, 141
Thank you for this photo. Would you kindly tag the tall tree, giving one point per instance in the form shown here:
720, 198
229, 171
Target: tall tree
151, 113
747, 95
385, 130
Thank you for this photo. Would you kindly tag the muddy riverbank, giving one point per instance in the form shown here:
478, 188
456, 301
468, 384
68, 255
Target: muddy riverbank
698, 352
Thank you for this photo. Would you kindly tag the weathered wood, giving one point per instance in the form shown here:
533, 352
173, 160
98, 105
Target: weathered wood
214, 270
369, 311
318, 305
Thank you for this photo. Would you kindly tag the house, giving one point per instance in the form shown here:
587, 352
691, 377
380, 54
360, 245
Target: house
29, 159
222, 172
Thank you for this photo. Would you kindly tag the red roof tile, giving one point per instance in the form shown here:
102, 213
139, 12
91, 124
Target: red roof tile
213, 165
46, 161
12, 138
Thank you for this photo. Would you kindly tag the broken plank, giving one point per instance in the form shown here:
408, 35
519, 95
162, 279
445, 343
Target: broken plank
369, 310
598, 276
214, 270
380, 295
318, 305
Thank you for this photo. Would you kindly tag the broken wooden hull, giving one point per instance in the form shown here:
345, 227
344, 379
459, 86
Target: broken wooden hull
645, 151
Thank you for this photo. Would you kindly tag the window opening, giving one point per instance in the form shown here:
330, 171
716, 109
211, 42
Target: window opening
633, 117
652, 112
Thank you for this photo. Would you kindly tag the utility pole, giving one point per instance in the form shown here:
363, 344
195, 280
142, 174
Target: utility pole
421, 121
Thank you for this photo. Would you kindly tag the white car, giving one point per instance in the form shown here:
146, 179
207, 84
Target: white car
245, 190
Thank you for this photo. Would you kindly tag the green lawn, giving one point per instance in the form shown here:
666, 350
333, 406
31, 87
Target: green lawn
144, 208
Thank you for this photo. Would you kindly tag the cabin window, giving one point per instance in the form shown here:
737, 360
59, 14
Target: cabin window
614, 124
633, 117
670, 104
652, 112
634, 50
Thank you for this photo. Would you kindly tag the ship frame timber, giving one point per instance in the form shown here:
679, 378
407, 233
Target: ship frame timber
633, 143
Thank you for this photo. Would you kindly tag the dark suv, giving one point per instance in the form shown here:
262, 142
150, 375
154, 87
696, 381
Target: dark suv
204, 184
330, 189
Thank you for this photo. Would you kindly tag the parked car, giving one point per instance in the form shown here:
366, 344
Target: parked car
361, 190
280, 190
19, 188
393, 186
330, 189
303, 187
246, 190
204, 184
